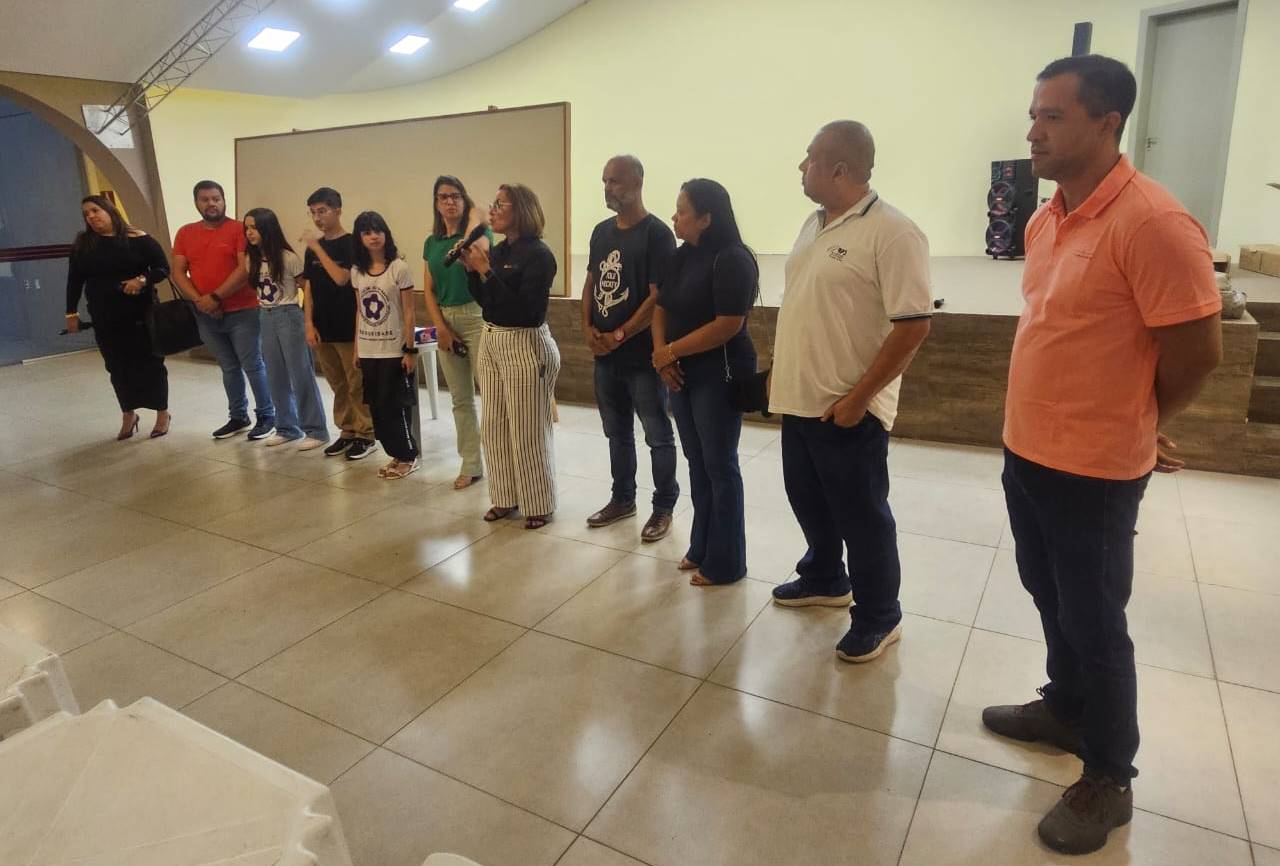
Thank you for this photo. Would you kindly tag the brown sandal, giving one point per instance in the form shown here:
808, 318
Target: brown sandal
700, 579
687, 564
537, 521
462, 482
497, 513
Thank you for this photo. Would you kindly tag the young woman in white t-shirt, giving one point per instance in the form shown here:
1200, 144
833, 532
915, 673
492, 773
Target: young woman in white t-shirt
273, 271
388, 355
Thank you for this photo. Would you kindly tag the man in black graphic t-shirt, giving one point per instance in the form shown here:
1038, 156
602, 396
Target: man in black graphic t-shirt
629, 254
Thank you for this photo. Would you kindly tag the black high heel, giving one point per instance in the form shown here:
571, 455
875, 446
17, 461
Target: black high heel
128, 434
156, 432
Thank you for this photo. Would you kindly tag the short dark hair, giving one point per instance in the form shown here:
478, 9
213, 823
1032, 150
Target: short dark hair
208, 184
372, 221
326, 195
1106, 84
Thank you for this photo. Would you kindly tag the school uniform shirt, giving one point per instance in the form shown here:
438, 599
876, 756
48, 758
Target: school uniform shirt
281, 292
379, 325
847, 281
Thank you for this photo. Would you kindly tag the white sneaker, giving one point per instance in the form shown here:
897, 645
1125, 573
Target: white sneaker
275, 439
310, 444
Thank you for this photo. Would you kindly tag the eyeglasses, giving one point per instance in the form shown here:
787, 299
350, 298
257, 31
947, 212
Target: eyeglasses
446, 197
499, 205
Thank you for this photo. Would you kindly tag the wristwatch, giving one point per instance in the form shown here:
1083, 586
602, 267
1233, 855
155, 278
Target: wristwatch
620, 335
409, 350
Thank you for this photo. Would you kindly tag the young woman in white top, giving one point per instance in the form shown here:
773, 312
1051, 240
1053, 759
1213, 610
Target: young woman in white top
273, 270
388, 355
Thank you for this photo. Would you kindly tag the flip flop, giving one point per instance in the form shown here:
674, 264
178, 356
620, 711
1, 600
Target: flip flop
496, 513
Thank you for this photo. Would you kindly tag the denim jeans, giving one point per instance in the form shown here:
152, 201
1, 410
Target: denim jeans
1074, 545
620, 392
837, 481
236, 341
709, 431
291, 374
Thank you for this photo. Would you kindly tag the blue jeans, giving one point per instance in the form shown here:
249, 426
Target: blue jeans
1074, 545
837, 481
709, 430
620, 391
291, 374
236, 341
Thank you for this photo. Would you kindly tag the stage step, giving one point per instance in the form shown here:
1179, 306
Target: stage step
1268, 363
1267, 313
1264, 404
1262, 441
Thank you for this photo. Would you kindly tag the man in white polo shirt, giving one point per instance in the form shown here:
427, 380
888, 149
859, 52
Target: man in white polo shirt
855, 309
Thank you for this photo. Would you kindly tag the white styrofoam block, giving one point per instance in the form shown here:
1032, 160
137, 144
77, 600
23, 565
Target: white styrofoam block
144, 785
33, 684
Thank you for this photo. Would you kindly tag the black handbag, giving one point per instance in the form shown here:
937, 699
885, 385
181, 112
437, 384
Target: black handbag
171, 325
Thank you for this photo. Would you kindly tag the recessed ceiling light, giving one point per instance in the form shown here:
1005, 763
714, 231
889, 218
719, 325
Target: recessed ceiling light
469, 5
271, 39
409, 44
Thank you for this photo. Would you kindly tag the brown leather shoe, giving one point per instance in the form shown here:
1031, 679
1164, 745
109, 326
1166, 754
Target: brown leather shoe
1032, 723
656, 527
1087, 812
611, 513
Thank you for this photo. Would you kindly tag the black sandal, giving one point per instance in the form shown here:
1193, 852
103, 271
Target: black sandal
496, 513
537, 521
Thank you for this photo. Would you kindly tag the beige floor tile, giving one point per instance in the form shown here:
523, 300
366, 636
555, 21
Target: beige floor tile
1162, 494
1162, 546
1165, 620
395, 544
304, 465
27, 504
374, 670
584, 852
48, 623
249, 618
762, 483
1242, 630
204, 500
73, 468
645, 609
951, 464
579, 498
44, 553
515, 575
1238, 555
123, 590
1253, 717
8, 589
470, 502
132, 486
975, 815
291, 520
1238, 498
942, 579
1173, 709
675, 545
1264, 856
396, 813
123, 668
420, 487
789, 656
548, 725
581, 455
758, 437
312, 747
740, 780
774, 544
956, 512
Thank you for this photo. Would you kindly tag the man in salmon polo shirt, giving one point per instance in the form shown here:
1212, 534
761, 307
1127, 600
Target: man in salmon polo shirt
210, 269
1119, 330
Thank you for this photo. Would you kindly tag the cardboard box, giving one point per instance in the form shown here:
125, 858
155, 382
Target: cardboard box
1261, 258
1221, 261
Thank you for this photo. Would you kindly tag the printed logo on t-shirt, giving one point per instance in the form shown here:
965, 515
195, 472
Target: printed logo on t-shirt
374, 305
838, 253
609, 291
268, 290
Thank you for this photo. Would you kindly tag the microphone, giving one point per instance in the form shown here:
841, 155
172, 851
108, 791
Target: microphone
453, 254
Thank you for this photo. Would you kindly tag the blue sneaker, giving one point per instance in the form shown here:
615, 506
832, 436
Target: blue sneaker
264, 428
796, 594
866, 644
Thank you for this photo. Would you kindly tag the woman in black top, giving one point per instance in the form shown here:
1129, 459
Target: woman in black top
117, 268
700, 345
518, 359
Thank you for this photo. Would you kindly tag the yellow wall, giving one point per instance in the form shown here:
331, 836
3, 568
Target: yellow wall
734, 89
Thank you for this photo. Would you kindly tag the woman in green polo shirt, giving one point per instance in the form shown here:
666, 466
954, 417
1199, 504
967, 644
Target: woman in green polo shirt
456, 315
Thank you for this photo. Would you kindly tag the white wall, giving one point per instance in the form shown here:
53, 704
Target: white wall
734, 89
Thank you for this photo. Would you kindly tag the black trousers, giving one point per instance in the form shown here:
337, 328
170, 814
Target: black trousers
138, 375
391, 394
1074, 545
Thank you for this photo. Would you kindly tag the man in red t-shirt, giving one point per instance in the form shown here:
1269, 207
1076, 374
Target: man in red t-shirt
211, 270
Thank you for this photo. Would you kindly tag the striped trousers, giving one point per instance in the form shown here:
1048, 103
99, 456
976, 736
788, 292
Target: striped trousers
518, 369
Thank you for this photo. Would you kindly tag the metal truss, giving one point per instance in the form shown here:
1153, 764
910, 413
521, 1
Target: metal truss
193, 49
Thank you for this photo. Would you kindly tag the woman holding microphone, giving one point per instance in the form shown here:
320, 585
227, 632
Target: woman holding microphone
519, 361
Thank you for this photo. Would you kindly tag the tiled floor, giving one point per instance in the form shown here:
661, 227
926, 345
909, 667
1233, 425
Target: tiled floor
566, 697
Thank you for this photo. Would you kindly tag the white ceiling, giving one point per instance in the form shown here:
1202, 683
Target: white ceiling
343, 46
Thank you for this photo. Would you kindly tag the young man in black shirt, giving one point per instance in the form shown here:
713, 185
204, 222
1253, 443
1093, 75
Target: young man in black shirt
629, 253
330, 309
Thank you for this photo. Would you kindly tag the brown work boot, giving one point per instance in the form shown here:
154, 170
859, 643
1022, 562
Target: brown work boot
1087, 812
656, 527
611, 513
1032, 723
